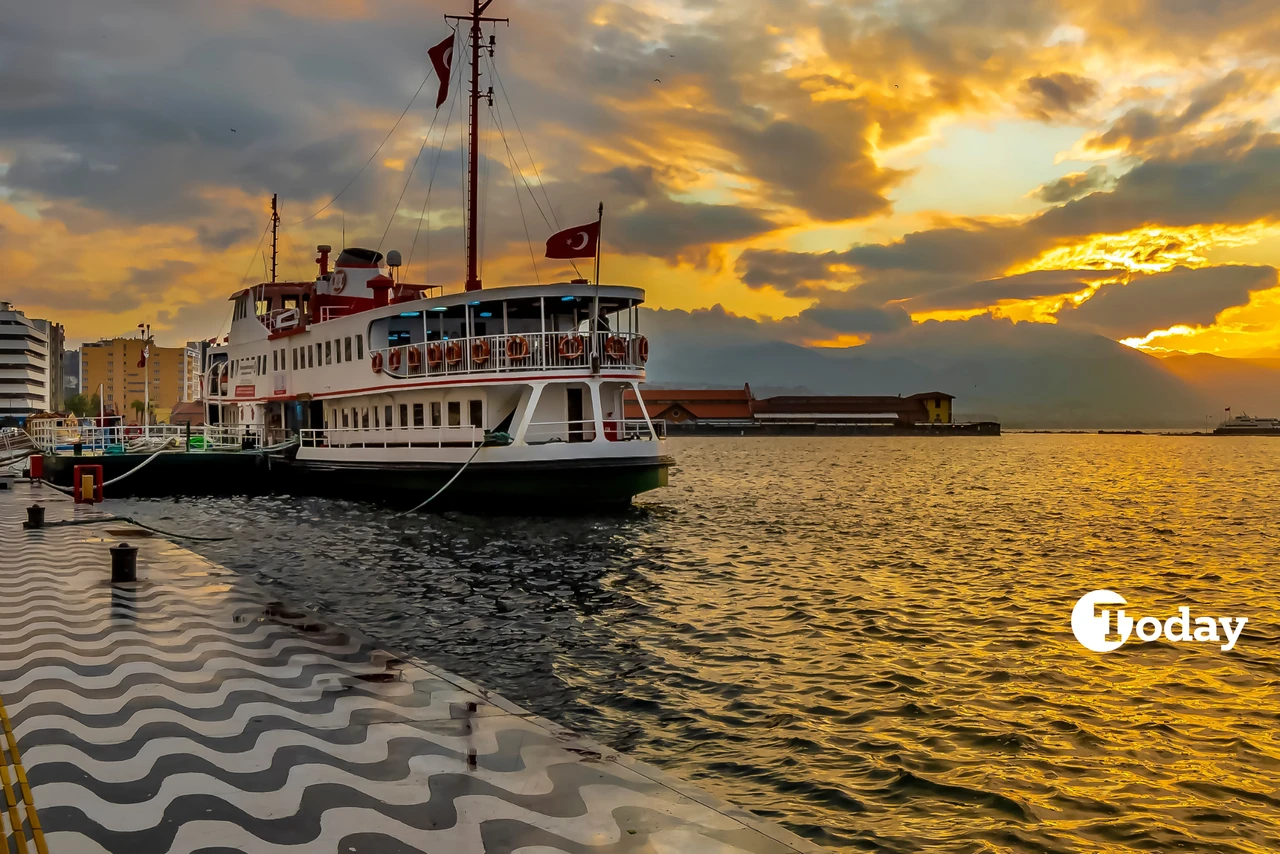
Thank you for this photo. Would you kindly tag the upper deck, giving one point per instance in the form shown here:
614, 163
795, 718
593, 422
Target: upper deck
281, 346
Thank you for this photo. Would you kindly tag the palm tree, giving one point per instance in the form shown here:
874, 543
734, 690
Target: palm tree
138, 407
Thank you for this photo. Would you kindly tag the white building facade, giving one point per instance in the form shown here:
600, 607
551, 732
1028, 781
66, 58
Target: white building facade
26, 379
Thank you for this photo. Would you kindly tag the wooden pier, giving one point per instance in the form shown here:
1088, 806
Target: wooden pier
189, 711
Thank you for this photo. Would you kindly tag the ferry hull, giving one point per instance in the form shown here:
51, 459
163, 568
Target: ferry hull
1247, 431
508, 488
173, 475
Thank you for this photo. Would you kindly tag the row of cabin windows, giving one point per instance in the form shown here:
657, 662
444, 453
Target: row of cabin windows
339, 350
357, 416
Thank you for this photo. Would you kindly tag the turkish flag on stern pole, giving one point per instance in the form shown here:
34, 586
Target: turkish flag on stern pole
577, 242
146, 351
442, 61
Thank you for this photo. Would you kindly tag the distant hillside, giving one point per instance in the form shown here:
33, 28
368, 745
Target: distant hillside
1026, 375
1246, 385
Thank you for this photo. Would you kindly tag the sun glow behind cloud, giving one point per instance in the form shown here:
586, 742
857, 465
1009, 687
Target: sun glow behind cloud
1154, 249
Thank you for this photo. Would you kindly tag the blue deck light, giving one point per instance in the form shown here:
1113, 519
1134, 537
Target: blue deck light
486, 314
410, 314
567, 299
441, 308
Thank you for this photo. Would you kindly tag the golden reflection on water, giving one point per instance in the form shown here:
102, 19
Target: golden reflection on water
904, 605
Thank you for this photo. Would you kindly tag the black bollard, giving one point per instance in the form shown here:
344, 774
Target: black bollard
124, 563
35, 517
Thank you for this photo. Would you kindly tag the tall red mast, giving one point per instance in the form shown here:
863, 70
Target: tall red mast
473, 172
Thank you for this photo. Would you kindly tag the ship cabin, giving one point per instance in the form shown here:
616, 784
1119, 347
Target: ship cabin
358, 359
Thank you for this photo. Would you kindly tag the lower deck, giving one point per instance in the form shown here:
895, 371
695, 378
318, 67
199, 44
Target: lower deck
192, 711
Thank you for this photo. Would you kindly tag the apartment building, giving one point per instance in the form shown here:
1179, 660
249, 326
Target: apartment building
30, 364
172, 372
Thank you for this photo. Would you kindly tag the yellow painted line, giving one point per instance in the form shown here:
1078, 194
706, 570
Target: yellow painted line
11, 800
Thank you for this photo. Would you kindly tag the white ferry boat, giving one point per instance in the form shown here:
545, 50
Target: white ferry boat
1250, 426
390, 388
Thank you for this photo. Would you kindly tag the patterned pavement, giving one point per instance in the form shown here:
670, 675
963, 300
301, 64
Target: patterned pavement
191, 713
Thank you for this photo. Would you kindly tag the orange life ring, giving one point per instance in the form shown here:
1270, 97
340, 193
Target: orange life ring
415, 358
434, 355
480, 351
615, 348
642, 349
517, 348
393, 359
571, 347
377, 363
453, 353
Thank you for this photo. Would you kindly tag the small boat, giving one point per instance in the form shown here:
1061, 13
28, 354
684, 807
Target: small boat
1246, 425
511, 397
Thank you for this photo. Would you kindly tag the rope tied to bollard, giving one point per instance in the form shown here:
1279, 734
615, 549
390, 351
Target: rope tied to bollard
63, 523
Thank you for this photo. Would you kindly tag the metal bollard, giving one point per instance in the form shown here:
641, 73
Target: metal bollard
124, 563
35, 517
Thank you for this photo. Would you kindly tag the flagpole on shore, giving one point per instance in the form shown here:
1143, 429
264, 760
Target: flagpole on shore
146, 384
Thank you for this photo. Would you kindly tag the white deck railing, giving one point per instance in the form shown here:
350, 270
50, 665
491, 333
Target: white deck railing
534, 351
53, 437
537, 433
392, 437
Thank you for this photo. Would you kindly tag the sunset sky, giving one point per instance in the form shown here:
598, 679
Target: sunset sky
833, 170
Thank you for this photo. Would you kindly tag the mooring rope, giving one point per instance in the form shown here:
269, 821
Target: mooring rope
140, 465
490, 440
63, 523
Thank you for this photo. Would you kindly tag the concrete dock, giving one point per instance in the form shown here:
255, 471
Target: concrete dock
191, 711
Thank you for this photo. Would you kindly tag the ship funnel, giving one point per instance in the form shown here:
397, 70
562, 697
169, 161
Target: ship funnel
324, 249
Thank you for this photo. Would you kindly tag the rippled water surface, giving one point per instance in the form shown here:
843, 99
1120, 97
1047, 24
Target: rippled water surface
867, 640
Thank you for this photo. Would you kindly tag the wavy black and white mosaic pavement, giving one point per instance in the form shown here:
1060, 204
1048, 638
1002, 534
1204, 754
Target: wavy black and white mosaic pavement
186, 713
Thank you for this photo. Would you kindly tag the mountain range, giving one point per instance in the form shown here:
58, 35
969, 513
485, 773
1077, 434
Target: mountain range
1028, 375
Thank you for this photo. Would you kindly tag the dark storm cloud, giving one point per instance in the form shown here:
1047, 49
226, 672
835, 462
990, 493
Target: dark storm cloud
1234, 178
839, 313
668, 229
792, 273
824, 171
1162, 300
1058, 95
1141, 127
1075, 185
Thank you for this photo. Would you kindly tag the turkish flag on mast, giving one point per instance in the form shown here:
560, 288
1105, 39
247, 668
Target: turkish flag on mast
442, 61
146, 351
581, 241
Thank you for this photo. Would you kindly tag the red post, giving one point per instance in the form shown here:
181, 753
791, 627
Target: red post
77, 481
36, 464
